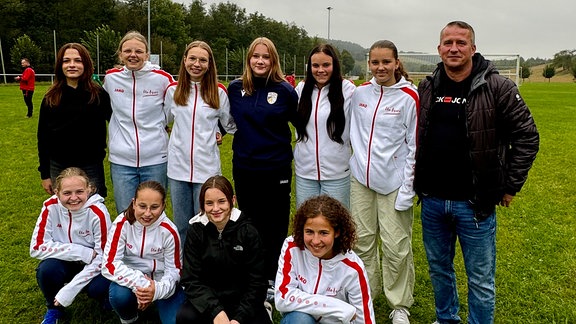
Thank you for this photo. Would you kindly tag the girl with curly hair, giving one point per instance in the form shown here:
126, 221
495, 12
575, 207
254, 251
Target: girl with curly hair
319, 276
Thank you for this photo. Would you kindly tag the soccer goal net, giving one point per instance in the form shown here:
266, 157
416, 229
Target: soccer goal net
419, 65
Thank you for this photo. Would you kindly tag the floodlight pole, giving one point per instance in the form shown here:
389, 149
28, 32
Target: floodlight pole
2, 59
149, 40
329, 10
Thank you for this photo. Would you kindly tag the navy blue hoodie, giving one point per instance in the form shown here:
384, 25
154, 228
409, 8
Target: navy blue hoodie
263, 139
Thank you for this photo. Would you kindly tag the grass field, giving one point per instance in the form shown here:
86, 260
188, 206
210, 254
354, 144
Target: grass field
536, 238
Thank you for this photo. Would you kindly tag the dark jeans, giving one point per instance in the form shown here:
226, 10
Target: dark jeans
264, 196
28, 100
52, 274
125, 304
95, 173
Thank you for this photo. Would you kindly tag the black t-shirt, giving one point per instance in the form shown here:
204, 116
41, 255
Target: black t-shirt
448, 174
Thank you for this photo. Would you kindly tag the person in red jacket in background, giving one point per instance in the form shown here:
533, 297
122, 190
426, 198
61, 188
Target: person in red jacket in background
291, 78
27, 84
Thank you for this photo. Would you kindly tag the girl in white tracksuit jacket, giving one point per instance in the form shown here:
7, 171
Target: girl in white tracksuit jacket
320, 279
323, 129
69, 238
137, 136
196, 105
383, 137
143, 258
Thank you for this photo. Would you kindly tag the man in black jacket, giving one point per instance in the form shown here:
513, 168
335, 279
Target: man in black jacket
476, 143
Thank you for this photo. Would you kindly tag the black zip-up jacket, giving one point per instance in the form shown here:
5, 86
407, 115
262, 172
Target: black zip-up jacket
501, 134
73, 133
224, 271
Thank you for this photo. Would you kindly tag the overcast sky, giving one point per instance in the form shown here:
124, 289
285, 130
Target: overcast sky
526, 27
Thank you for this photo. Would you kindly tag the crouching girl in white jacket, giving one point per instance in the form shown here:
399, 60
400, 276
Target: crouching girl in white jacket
69, 238
320, 279
143, 258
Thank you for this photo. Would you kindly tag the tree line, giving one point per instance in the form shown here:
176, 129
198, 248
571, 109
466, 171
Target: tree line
100, 24
564, 60
28, 28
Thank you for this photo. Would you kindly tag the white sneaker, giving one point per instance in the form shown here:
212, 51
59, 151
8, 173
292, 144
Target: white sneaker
269, 309
400, 316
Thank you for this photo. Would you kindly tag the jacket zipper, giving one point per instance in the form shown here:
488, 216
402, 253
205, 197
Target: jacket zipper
143, 241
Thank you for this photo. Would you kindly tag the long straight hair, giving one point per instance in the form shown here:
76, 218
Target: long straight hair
208, 84
53, 96
275, 74
336, 119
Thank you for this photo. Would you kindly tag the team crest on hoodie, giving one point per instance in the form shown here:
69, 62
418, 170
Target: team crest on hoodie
272, 97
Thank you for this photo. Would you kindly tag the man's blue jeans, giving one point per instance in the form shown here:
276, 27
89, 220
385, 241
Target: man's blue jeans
185, 198
444, 221
125, 304
126, 179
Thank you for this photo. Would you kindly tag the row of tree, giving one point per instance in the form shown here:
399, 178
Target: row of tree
33, 28
100, 24
564, 60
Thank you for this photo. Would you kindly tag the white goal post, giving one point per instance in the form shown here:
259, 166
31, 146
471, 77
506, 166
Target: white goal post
419, 65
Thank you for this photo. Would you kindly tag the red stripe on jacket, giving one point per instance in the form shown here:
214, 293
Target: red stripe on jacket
114, 246
416, 98
103, 229
286, 270
42, 225
363, 287
176, 244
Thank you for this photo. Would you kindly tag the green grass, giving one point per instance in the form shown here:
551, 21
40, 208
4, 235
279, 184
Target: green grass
536, 240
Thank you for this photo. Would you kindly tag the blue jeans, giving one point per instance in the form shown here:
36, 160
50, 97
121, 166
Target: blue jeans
444, 221
185, 198
126, 179
338, 189
52, 274
125, 304
297, 318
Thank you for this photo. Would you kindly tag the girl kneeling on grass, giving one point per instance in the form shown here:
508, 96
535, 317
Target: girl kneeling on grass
223, 274
320, 278
143, 258
69, 238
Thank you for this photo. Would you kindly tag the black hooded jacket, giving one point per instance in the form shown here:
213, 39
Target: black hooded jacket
501, 136
224, 271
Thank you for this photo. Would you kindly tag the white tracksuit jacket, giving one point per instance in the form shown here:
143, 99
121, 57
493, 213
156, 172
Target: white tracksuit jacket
72, 236
137, 134
133, 251
383, 137
319, 157
193, 154
332, 291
